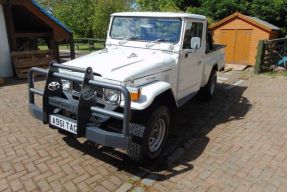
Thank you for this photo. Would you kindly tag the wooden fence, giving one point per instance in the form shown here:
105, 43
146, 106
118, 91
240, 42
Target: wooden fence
89, 41
268, 54
83, 45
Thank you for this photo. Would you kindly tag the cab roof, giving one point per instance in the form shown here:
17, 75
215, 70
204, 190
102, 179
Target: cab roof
160, 14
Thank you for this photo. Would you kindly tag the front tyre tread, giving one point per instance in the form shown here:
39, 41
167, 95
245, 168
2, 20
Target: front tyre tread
138, 149
134, 146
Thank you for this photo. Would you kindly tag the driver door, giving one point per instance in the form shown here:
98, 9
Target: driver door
190, 65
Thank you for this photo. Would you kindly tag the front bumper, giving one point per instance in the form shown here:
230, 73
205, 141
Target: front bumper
84, 109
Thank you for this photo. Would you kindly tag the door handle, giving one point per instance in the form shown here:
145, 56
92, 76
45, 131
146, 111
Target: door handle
186, 55
199, 62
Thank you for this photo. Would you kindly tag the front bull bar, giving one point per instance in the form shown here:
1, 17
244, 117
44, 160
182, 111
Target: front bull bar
84, 108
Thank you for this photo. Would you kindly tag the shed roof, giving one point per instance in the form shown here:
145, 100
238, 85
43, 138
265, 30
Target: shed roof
42, 10
52, 17
271, 26
254, 20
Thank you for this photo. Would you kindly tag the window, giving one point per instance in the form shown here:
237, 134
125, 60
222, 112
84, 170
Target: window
192, 30
146, 29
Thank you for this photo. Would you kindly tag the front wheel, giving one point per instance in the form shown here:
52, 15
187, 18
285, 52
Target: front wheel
208, 91
146, 142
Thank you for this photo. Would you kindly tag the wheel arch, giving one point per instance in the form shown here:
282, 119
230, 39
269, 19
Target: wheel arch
155, 93
166, 98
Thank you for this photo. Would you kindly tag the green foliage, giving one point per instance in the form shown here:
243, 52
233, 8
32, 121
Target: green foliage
273, 11
90, 18
77, 15
102, 12
159, 5
86, 18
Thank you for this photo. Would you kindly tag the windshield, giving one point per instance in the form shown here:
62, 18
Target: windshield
146, 29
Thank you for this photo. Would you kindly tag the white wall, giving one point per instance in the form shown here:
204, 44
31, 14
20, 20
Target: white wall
5, 61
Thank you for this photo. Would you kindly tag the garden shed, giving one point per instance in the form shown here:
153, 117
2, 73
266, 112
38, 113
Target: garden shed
241, 34
25, 28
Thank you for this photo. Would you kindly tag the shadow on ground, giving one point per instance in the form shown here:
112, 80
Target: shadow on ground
15, 81
194, 121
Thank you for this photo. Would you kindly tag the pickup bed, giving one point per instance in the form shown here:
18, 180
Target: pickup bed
125, 95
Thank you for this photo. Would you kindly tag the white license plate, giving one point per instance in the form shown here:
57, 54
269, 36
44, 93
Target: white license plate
63, 124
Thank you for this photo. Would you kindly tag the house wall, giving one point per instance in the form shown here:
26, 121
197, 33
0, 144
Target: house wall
238, 23
5, 61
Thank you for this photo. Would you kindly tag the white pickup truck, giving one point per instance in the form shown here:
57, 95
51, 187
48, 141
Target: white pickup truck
124, 95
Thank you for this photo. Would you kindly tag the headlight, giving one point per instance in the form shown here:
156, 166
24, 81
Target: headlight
67, 85
112, 95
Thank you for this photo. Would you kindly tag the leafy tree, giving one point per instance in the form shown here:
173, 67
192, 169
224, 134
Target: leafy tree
159, 5
86, 18
77, 15
273, 11
90, 18
103, 10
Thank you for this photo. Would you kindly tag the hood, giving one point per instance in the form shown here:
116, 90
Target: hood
124, 64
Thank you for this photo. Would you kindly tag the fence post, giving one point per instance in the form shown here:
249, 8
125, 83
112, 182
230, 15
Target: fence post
259, 57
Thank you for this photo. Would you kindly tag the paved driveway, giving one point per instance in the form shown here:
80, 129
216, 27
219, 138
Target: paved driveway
236, 142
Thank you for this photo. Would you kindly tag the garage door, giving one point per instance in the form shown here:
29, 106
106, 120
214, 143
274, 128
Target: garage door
237, 45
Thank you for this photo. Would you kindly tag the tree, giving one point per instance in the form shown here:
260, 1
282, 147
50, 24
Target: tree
77, 15
273, 11
86, 18
159, 5
89, 18
102, 11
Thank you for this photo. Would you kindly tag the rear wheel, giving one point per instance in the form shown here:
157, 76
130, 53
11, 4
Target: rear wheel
147, 142
208, 91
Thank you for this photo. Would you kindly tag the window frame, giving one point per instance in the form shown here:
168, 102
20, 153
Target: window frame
185, 30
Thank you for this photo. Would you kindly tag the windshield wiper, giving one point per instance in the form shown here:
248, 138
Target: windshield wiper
128, 38
153, 43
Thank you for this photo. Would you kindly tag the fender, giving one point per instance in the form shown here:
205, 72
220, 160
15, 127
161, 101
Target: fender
149, 93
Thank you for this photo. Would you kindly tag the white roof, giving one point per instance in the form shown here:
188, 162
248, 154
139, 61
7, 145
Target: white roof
160, 14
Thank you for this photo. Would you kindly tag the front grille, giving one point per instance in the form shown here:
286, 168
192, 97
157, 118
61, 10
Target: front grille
78, 88
99, 92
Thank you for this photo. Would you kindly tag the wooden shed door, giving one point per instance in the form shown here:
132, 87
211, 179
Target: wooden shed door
242, 45
237, 45
227, 38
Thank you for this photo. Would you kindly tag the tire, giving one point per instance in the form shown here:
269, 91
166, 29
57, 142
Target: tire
208, 91
147, 142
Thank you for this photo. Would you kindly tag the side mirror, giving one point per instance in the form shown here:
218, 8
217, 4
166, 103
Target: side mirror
195, 43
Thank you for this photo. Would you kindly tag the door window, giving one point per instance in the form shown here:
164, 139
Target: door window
193, 29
